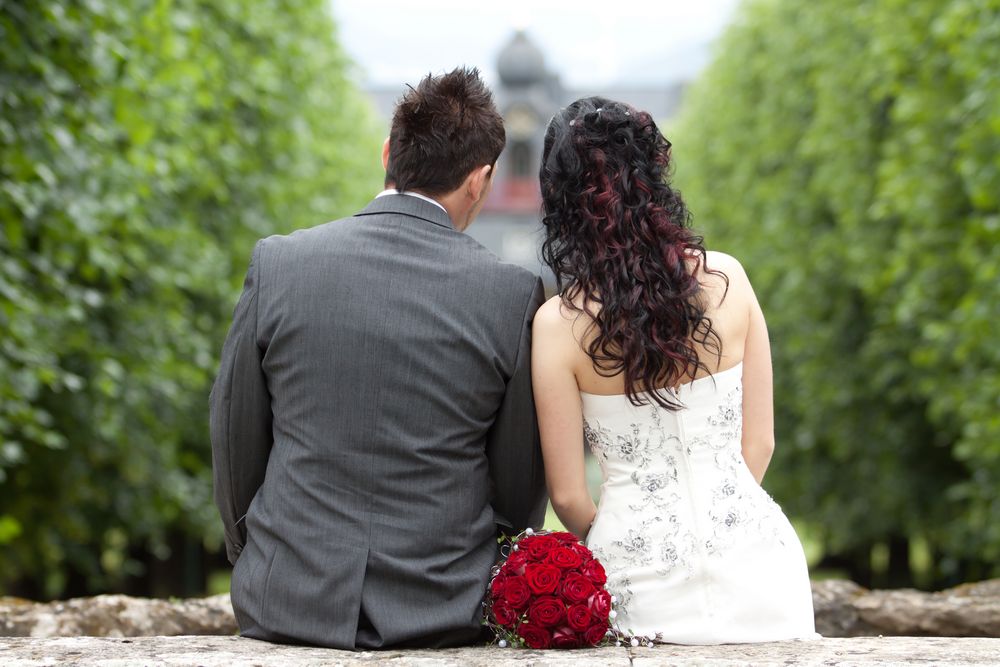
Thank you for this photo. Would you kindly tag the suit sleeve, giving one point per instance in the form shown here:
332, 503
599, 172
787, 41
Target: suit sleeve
513, 447
240, 416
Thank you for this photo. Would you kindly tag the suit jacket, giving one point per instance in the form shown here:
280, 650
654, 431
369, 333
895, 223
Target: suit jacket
372, 424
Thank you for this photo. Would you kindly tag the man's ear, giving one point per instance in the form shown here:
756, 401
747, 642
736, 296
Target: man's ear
479, 181
385, 153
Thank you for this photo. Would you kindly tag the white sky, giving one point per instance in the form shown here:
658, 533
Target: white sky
588, 42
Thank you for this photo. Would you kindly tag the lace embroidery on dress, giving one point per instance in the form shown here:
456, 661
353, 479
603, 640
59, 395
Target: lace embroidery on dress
732, 513
636, 548
596, 439
631, 447
677, 549
653, 488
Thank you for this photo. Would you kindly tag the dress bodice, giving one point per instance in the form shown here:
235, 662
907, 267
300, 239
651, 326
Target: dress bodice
653, 441
682, 523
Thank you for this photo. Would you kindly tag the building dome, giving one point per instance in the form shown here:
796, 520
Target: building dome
520, 62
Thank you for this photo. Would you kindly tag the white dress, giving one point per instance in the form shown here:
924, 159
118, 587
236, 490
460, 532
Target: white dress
695, 550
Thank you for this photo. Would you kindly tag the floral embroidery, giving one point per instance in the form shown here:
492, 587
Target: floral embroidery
631, 447
621, 588
595, 438
670, 555
677, 549
653, 490
636, 548
737, 512
686, 488
729, 418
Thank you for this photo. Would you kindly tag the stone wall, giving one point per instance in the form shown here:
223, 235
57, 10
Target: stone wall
843, 609
117, 616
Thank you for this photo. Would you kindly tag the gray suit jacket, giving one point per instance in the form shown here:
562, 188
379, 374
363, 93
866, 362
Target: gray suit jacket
372, 425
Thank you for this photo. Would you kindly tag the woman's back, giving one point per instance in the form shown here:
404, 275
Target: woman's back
728, 301
736, 319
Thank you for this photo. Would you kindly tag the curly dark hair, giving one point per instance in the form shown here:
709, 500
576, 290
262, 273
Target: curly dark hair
441, 130
618, 235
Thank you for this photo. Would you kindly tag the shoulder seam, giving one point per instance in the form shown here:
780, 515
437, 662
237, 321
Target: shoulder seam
537, 283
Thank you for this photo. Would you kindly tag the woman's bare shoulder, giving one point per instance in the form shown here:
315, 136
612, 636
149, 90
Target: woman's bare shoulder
554, 319
721, 261
552, 313
725, 283
724, 270
569, 322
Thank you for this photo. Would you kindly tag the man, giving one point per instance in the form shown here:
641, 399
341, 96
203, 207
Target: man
372, 421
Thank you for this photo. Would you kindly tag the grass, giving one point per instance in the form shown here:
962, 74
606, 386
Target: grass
552, 522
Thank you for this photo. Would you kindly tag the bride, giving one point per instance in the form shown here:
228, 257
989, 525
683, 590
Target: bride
655, 353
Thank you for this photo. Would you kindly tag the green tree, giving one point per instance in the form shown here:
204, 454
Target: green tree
144, 145
849, 153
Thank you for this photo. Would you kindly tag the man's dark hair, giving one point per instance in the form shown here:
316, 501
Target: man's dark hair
441, 130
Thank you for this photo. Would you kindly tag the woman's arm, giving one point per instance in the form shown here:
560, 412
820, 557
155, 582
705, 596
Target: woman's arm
758, 392
560, 417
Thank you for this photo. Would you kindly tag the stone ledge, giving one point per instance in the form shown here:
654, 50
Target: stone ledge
843, 609
234, 651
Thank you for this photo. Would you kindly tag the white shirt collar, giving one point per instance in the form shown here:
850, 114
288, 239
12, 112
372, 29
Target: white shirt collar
394, 191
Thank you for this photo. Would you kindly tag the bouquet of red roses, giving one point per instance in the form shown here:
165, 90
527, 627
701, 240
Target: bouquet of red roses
549, 593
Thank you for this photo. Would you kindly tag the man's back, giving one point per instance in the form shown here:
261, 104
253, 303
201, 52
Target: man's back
392, 351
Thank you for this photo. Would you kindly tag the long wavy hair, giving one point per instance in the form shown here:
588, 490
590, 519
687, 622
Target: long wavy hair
617, 235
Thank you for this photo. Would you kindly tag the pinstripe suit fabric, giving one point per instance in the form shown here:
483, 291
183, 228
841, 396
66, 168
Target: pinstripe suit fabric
372, 426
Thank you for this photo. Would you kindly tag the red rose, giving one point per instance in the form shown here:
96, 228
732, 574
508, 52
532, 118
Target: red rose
538, 546
579, 618
515, 564
564, 537
541, 577
565, 558
582, 550
534, 636
516, 592
547, 611
565, 638
503, 614
576, 587
594, 571
600, 604
497, 586
594, 635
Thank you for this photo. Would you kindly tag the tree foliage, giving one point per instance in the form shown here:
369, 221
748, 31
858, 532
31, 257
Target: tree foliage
144, 145
849, 153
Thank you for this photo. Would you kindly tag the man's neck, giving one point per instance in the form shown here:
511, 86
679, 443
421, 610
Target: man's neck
412, 193
460, 218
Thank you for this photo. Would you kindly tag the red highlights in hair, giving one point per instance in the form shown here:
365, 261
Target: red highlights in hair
617, 234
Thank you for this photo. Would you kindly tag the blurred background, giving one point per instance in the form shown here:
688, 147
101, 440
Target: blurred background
847, 151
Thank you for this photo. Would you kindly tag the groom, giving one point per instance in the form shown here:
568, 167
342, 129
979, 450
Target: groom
372, 422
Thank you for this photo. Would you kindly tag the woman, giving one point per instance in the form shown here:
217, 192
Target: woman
645, 353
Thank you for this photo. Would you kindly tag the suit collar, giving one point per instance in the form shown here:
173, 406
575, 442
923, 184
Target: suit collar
411, 206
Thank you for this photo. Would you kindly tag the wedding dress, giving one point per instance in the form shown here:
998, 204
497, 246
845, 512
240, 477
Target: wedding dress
695, 550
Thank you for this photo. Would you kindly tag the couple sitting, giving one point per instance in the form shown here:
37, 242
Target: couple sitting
389, 391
